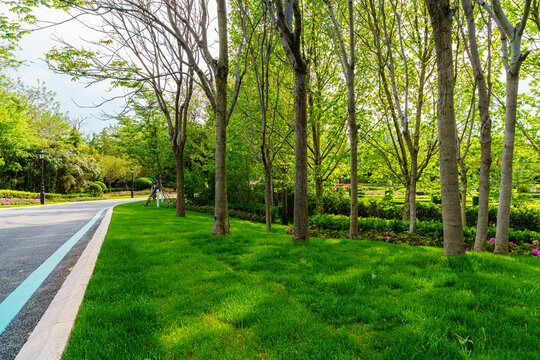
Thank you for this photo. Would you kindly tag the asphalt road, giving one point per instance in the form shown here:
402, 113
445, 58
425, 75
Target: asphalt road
28, 237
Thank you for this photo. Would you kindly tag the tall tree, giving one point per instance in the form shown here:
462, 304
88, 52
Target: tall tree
484, 95
441, 20
327, 138
348, 63
268, 77
188, 22
405, 104
143, 58
282, 14
512, 67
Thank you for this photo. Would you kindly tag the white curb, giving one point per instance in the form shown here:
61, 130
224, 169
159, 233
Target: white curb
51, 334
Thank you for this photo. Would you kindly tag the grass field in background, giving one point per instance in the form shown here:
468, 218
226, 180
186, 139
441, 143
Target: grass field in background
164, 288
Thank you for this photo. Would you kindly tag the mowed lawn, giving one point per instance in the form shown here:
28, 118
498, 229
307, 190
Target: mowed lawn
164, 288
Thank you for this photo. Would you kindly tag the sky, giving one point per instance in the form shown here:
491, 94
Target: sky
76, 98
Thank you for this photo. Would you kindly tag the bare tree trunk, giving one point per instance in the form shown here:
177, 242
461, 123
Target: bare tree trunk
463, 178
441, 20
484, 182
268, 196
412, 191
319, 193
353, 217
221, 210
180, 193
407, 203
284, 217
505, 198
300, 221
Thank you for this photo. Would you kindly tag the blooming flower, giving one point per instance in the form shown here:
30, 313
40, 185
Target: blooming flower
388, 237
535, 242
536, 252
492, 239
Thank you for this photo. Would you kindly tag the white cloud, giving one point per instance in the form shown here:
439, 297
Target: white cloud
75, 97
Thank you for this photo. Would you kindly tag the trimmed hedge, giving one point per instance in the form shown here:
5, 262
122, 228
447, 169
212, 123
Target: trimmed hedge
427, 228
102, 185
232, 212
522, 218
142, 183
95, 189
257, 209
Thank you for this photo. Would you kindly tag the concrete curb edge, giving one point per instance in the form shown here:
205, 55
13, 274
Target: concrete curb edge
50, 336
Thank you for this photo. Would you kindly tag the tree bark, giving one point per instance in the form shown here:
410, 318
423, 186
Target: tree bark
351, 104
300, 221
407, 203
284, 217
505, 198
221, 210
463, 178
319, 193
180, 193
268, 196
441, 19
412, 191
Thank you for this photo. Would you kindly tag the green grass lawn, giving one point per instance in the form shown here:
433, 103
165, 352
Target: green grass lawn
163, 288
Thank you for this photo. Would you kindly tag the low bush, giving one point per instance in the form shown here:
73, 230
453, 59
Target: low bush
142, 183
240, 214
521, 218
431, 230
257, 209
14, 194
102, 185
95, 189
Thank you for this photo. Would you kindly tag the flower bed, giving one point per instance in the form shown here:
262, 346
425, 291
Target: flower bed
17, 201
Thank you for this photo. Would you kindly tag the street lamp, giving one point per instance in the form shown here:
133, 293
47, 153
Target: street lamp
41, 156
131, 182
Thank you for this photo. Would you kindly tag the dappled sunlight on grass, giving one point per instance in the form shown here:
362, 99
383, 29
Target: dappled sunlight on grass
183, 293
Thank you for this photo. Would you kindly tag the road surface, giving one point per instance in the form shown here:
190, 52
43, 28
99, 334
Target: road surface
30, 239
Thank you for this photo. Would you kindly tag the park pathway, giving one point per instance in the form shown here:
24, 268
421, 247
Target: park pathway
38, 247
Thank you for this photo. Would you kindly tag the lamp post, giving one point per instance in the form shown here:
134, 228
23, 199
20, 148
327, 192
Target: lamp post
131, 182
41, 156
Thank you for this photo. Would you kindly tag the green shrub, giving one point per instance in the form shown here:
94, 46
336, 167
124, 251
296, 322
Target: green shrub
430, 229
95, 189
428, 212
436, 198
142, 183
103, 186
18, 194
244, 215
